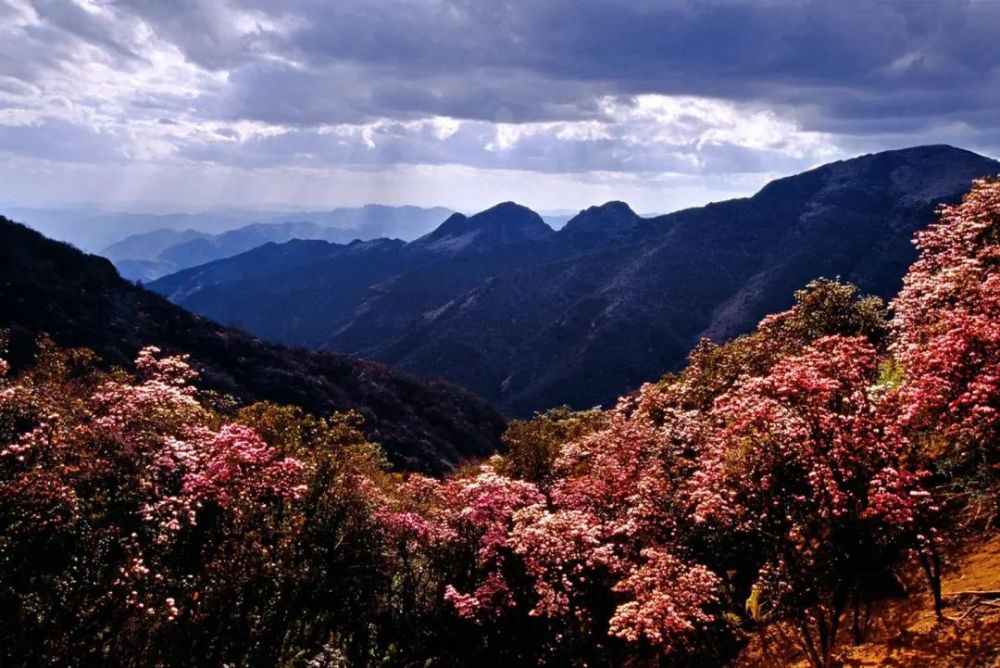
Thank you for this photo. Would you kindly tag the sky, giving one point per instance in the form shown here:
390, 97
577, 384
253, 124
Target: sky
557, 104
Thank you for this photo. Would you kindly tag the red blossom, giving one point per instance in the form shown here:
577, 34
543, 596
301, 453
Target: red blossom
947, 324
478, 513
670, 601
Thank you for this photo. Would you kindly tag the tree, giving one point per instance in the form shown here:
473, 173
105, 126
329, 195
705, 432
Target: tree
802, 467
947, 328
533, 445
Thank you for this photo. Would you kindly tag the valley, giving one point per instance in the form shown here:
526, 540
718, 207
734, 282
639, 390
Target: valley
529, 318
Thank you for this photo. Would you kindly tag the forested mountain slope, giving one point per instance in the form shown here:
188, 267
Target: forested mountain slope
47, 287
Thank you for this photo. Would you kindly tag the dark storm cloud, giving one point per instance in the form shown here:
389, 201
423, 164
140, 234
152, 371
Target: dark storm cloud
70, 19
280, 93
846, 75
211, 33
549, 59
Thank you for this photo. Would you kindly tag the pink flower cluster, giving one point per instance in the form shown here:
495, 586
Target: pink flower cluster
473, 514
562, 551
670, 601
231, 469
948, 324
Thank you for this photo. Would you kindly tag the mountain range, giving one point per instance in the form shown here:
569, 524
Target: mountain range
149, 255
98, 230
79, 300
528, 317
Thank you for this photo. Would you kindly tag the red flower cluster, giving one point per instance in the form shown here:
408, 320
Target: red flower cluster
948, 327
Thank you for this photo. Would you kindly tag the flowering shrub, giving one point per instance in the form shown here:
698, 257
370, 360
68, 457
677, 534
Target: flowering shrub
802, 458
561, 552
671, 602
947, 329
475, 516
144, 475
223, 469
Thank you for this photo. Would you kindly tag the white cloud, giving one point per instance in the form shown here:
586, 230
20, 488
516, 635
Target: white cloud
649, 134
190, 187
246, 97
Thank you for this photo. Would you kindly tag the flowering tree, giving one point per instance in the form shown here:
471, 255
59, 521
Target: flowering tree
601, 553
947, 327
142, 477
802, 466
823, 308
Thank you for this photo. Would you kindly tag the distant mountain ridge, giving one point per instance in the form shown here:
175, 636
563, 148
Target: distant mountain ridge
48, 287
611, 300
94, 229
147, 256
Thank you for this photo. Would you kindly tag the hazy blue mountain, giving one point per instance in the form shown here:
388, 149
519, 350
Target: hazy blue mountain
149, 255
209, 248
94, 230
533, 319
144, 271
148, 245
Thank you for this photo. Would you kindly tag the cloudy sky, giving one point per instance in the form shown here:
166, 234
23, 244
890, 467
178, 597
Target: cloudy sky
558, 104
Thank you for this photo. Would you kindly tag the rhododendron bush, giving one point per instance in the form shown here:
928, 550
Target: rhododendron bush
802, 458
948, 333
145, 473
786, 477
134, 520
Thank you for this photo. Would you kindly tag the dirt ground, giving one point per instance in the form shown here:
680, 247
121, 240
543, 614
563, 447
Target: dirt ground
905, 632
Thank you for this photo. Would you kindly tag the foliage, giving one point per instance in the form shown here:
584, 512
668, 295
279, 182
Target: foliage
533, 445
947, 329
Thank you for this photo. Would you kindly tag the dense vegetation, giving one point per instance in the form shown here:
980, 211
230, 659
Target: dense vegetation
781, 477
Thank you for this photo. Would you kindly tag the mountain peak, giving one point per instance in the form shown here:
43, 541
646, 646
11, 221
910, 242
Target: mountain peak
918, 172
507, 207
608, 218
913, 155
501, 224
